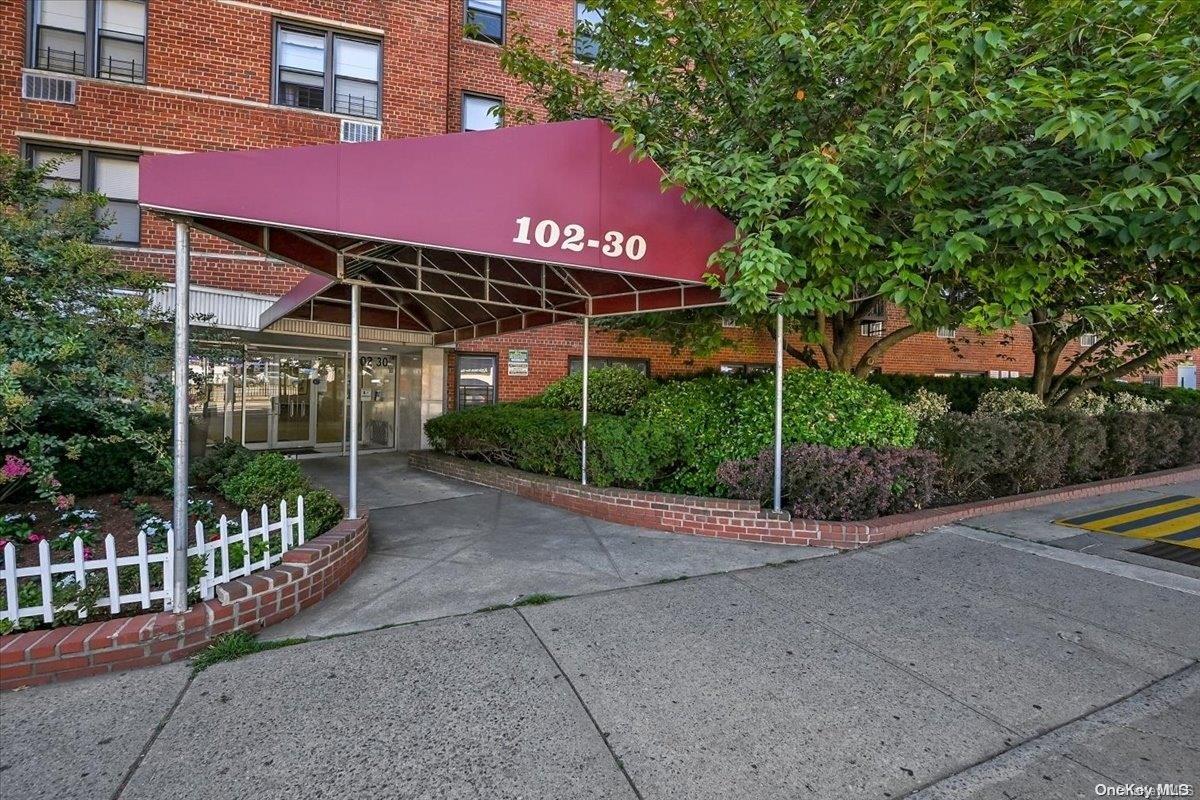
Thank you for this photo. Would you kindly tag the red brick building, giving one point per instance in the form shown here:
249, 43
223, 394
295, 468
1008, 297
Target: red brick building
95, 84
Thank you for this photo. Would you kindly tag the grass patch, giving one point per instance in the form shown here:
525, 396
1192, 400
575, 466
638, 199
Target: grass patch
232, 646
535, 599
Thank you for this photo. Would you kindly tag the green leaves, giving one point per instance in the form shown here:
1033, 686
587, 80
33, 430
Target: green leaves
971, 163
72, 347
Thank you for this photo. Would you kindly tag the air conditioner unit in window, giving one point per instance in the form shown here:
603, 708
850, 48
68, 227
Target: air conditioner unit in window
52, 88
354, 130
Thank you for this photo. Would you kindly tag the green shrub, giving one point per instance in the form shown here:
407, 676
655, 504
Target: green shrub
267, 478
1131, 403
1086, 440
611, 390
927, 406
986, 456
701, 416
676, 436
1007, 402
621, 451
154, 476
1088, 403
1189, 433
221, 462
321, 511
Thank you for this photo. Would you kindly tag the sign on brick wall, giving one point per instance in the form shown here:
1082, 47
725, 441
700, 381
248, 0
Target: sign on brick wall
518, 363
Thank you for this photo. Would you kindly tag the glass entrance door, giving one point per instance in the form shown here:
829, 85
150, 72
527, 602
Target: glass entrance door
293, 405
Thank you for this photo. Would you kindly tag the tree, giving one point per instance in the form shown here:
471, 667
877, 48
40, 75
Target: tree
83, 355
920, 153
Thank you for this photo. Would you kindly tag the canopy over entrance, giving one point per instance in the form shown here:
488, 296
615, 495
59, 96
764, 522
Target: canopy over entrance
459, 235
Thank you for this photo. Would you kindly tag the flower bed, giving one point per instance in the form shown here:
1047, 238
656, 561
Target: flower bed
230, 479
307, 574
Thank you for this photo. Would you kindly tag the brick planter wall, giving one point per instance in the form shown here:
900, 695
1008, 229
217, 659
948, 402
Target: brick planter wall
744, 519
306, 574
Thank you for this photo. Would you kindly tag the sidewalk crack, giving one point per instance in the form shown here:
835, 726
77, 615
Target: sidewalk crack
616, 759
158, 729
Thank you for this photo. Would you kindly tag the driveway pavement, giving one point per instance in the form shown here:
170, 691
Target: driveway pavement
959, 664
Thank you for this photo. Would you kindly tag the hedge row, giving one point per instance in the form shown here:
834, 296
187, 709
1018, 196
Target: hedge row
964, 458
678, 433
964, 392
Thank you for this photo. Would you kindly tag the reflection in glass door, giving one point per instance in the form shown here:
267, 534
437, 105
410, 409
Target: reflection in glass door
256, 397
292, 404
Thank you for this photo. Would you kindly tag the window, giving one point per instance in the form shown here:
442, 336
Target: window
480, 113
485, 21
113, 175
325, 71
1152, 380
729, 322
1003, 373
947, 333
1088, 339
476, 380
871, 323
575, 364
746, 369
98, 38
587, 21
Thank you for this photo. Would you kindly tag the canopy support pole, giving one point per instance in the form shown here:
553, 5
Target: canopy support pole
179, 516
583, 459
778, 494
355, 405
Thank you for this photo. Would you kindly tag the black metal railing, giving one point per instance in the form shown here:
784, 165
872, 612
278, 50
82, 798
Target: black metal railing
121, 69
62, 61
355, 105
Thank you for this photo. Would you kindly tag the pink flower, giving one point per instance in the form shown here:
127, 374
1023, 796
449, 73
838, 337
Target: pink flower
64, 501
34, 538
87, 552
3, 543
14, 468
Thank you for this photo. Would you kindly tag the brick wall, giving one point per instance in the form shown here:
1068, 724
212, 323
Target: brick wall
306, 574
551, 348
209, 88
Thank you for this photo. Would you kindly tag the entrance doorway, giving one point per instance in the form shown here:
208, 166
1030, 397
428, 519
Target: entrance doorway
297, 400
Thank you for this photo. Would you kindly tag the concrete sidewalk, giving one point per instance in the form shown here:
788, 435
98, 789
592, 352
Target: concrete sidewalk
440, 547
941, 665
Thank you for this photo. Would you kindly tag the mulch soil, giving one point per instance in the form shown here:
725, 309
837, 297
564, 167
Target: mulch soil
114, 516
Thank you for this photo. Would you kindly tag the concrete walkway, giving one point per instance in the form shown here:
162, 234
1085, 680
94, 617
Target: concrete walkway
960, 665
440, 547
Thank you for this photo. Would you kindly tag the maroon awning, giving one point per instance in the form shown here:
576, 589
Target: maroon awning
460, 235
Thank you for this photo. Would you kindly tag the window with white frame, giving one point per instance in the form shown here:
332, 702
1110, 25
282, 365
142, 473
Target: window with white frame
485, 21
1088, 339
947, 333
96, 38
114, 175
480, 113
327, 71
587, 23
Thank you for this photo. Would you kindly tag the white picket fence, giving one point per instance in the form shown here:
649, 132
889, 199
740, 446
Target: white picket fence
87, 571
